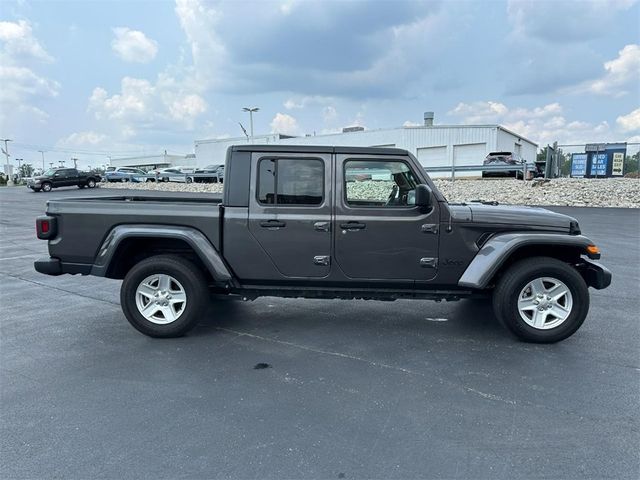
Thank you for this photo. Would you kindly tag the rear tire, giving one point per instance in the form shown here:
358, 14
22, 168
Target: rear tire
137, 294
91, 183
524, 300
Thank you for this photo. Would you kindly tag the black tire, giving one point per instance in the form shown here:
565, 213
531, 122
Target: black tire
165, 179
190, 277
46, 187
188, 180
514, 280
91, 183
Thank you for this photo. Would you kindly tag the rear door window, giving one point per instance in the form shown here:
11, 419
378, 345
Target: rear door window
290, 181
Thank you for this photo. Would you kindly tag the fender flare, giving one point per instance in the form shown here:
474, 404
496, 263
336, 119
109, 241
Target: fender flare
499, 248
194, 238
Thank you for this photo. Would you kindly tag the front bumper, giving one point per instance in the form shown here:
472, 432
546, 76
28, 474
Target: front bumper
595, 274
53, 266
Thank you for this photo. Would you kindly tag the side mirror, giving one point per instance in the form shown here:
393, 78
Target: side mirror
56, 174
423, 196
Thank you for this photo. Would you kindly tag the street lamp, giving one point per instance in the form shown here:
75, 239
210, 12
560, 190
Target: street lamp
6, 154
42, 152
251, 110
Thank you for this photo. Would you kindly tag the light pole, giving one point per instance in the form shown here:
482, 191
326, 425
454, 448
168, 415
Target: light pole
42, 152
19, 160
251, 110
6, 154
75, 162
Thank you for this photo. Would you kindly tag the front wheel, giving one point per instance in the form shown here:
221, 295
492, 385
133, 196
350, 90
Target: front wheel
542, 300
46, 187
164, 296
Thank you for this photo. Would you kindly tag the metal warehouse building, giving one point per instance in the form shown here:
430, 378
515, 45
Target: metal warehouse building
433, 145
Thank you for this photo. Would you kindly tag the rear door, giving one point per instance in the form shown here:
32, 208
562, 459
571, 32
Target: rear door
379, 232
72, 177
290, 211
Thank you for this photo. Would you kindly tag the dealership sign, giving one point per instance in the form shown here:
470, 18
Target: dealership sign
599, 165
578, 164
618, 164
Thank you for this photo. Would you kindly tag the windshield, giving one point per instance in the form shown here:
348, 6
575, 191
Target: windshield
49, 172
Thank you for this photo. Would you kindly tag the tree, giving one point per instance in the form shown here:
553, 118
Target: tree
631, 163
26, 170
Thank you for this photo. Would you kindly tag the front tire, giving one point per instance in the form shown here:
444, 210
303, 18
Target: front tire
541, 300
164, 296
46, 187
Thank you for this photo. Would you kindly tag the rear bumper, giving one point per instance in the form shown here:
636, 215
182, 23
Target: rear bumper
53, 266
595, 274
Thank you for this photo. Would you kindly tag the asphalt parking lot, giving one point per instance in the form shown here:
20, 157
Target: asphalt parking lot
354, 389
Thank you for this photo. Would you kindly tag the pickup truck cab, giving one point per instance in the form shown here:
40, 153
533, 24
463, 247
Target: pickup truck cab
325, 222
62, 177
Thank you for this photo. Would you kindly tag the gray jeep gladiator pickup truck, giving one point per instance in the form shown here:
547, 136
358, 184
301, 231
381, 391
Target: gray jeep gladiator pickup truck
325, 222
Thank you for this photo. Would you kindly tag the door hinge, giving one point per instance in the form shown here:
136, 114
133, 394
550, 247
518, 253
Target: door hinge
429, 228
322, 260
428, 262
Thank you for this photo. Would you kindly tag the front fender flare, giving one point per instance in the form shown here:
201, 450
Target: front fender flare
194, 238
499, 248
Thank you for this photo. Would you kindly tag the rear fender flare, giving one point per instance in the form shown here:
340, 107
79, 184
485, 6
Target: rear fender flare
194, 238
499, 248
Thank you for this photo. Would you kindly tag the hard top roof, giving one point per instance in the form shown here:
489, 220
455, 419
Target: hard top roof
319, 149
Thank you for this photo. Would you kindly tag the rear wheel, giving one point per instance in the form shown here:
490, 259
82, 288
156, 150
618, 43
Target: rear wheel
164, 296
541, 300
91, 183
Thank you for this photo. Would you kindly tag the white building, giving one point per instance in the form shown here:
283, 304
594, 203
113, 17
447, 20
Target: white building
433, 145
148, 162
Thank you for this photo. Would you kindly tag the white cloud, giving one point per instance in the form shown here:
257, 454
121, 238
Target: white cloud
21, 86
285, 124
199, 21
329, 113
621, 74
296, 103
409, 123
133, 46
629, 122
543, 125
141, 103
18, 41
83, 139
564, 21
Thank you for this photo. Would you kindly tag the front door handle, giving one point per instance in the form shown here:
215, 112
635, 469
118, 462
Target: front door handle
273, 224
352, 226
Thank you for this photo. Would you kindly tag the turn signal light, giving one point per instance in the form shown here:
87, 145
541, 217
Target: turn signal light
593, 251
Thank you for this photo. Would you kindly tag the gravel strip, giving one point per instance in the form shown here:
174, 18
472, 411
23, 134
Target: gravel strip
605, 192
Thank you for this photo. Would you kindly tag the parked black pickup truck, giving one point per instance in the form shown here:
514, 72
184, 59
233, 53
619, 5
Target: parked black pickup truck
325, 222
63, 177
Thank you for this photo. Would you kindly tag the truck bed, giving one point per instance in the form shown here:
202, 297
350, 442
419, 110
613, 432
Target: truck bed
83, 223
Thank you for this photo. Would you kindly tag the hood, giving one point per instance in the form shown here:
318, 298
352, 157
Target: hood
518, 215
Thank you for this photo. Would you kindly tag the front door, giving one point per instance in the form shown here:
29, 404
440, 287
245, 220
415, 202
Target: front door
379, 232
290, 212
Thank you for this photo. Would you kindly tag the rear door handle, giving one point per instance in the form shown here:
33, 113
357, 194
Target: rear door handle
352, 226
273, 224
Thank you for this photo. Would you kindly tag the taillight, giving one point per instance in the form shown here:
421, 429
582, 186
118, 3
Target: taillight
45, 227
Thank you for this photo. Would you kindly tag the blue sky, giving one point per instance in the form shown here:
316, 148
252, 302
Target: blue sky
95, 78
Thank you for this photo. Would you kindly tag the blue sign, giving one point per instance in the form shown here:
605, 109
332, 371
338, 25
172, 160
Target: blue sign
599, 164
579, 164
